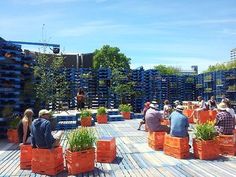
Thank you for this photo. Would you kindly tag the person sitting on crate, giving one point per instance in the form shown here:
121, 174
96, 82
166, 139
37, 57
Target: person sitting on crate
212, 103
41, 133
153, 119
24, 126
225, 123
179, 123
146, 107
201, 106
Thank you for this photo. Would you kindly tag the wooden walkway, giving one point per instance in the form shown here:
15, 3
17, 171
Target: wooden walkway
134, 158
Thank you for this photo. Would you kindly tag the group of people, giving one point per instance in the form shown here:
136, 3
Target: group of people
224, 123
38, 132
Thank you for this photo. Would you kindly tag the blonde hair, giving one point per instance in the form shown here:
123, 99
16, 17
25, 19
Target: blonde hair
28, 114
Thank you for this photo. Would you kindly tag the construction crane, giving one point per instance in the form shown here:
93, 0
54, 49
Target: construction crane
55, 47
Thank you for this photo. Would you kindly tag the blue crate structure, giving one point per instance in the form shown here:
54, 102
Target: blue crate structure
230, 79
66, 122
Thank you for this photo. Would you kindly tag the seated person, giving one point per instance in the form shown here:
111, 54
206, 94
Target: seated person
201, 107
212, 103
224, 121
153, 119
41, 134
167, 109
146, 107
179, 123
177, 102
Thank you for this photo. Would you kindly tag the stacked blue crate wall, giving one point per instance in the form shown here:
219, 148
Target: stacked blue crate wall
220, 85
103, 89
209, 85
188, 88
137, 76
199, 88
172, 93
231, 85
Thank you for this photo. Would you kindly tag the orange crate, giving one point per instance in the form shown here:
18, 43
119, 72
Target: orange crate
203, 117
228, 150
102, 119
86, 121
206, 150
52, 157
25, 156
176, 152
106, 144
45, 169
12, 135
79, 162
156, 136
188, 113
126, 115
227, 144
106, 156
212, 114
155, 145
177, 142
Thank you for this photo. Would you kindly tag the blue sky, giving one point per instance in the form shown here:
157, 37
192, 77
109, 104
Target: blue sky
179, 33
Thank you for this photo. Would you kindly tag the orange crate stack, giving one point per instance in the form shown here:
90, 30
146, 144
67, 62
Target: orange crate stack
79, 162
12, 135
200, 151
25, 157
176, 147
227, 144
156, 140
46, 161
106, 149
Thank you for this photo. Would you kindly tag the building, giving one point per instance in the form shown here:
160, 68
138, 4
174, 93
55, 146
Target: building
233, 54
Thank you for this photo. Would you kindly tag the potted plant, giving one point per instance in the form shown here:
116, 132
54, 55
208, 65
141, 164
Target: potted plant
86, 118
12, 133
101, 115
205, 144
80, 155
125, 110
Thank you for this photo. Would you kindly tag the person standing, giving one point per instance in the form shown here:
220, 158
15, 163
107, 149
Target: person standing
212, 103
80, 99
24, 126
179, 123
41, 134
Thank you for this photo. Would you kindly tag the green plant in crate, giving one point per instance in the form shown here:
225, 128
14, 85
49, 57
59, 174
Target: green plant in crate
85, 113
205, 131
101, 111
125, 108
81, 139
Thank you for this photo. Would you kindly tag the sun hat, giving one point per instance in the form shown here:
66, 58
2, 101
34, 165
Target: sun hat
176, 102
43, 112
222, 106
154, 105
179, 108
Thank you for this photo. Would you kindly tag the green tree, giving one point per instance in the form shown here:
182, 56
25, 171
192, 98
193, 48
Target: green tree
221, 66
167, 70
51, 84
110, 57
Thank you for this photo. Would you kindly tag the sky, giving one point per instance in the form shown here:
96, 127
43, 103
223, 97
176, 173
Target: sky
178, 33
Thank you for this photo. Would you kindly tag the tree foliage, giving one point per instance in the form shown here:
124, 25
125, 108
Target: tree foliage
110, 57
167, 70
51, 84
222, 66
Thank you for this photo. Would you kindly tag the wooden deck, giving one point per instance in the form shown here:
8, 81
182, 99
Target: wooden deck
134, 157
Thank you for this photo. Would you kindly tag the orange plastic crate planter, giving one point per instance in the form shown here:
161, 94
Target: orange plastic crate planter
212, 114
12, 135
156, 140
79, 162
106, 144
177, 142
203, 117
106, 156
126, 115
188, 113
46, 169
206, 150
176, 152
102, 119
25, 157
86, 121
154, 145
227, 144
52, 157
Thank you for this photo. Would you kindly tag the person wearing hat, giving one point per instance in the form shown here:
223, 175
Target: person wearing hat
224, 121
179, 123
146, 107
41, 133
176, 102
153, 119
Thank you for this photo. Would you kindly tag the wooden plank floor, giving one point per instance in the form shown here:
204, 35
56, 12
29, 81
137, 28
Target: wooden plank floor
134, 157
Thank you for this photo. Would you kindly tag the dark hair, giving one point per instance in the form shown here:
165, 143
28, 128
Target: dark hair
166, 102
